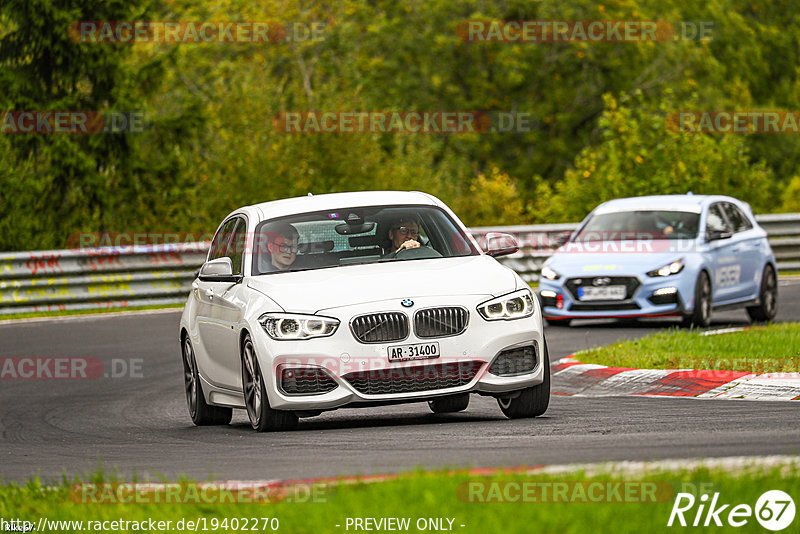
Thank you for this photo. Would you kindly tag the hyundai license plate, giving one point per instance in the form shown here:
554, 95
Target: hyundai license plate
602, 293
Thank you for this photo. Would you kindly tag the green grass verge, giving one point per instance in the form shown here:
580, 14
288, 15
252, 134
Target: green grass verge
761, 349
67, 313
566, 503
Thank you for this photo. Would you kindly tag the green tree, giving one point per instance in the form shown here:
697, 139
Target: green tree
640, 155
59, 184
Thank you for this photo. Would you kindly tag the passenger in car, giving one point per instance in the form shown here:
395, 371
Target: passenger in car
282, 245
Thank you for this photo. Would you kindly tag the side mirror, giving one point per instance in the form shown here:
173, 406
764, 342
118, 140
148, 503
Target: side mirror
715, 235
218, 270
498, 244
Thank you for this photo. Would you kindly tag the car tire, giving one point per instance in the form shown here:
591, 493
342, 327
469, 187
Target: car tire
558, 322
701, 315
202, 413
533, 401
767, 298
262, 417
450, 404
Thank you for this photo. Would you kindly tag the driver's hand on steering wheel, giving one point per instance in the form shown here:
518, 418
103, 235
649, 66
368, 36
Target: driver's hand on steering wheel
407, 245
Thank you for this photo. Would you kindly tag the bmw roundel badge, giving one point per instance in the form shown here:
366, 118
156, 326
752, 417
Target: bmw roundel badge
407, 303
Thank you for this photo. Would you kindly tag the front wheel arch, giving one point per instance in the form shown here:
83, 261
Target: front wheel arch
767, 307
262, 416
697, 317
531, 401
242, 335
201, 412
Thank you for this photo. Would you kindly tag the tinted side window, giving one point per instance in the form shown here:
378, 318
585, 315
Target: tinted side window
220, 242
738, 219
715, 221
236, 247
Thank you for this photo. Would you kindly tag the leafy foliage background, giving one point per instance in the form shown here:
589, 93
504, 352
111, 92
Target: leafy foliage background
599, 130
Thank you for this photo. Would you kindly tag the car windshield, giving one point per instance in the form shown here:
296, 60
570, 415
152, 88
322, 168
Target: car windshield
357, 235
633, 225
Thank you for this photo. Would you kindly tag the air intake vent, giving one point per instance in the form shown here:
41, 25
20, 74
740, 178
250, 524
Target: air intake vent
416, 378
306, 381
440, 322
380, 327
515, 361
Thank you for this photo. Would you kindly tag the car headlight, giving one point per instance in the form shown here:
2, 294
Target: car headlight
512, 306
669, 269
549, 273
285, 326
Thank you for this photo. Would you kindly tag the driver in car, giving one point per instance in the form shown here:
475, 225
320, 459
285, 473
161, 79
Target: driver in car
404, 234
686, 224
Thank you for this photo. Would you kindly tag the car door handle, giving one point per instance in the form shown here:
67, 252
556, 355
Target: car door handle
210, 293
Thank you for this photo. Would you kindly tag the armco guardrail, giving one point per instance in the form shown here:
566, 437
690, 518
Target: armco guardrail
107, 277
122, 277
784, 238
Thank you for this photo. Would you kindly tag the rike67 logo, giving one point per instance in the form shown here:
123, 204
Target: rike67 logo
774, 510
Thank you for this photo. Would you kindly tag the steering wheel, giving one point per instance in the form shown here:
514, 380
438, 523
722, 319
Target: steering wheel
419, 252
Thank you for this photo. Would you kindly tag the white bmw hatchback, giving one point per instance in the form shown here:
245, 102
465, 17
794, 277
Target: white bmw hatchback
357, 299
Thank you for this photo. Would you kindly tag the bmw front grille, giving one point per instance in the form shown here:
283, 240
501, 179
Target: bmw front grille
380, 327
440, 322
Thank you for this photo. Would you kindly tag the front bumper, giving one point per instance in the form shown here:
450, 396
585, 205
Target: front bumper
344, 359
670, 296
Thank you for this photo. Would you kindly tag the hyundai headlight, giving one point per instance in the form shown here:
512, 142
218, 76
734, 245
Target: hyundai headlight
669, 269
512, 306
549, 273
285, 326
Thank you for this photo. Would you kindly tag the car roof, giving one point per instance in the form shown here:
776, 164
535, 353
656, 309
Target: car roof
689, 203
332, 201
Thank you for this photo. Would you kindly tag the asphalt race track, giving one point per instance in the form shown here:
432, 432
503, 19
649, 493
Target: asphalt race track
139, 424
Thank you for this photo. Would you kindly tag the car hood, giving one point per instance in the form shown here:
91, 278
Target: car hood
320, 289
586, 264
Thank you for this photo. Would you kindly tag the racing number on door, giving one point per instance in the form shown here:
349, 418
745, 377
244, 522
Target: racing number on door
728, 276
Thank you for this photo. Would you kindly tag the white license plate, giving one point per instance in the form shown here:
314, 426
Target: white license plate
417, 351
601, 293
